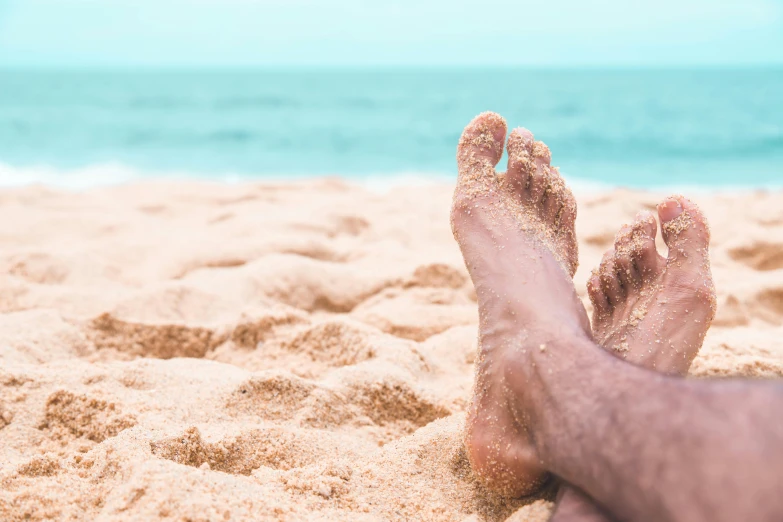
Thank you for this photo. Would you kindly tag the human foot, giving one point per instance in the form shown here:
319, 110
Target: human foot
612, 324
650, 310
516, 233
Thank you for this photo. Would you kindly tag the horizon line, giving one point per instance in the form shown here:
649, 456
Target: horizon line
379, 67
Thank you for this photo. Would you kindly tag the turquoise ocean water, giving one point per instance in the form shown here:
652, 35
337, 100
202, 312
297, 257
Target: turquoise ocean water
635, 127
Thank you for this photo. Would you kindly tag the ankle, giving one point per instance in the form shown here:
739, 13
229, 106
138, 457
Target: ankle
547, 383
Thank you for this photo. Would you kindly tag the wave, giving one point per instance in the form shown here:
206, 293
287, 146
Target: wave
101, 175
113, 173
108, 174
80, 178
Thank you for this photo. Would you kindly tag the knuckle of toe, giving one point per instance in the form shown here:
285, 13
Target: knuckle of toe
541, 152
622, 258
647, 247
537, 179
520, 162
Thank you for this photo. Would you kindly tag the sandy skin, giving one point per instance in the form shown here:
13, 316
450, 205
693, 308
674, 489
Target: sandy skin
527, 216
653, 310
630, 292
516, 232
548, 398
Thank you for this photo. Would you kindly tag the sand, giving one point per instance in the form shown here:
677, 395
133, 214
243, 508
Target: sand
301, 351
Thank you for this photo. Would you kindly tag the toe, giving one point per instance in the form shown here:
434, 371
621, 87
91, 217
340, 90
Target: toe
554, 197
623, 257
481, 144
685, 231
646, 258
520, 160
540, 177
541, 153
566, 219
597, 296
609, 281
644, 223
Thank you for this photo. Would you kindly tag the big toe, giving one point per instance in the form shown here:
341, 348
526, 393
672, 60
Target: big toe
480, 146
685, 231
687, 235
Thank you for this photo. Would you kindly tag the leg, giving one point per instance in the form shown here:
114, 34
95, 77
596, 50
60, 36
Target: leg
632, 288
529, 211
654, 447
543, 400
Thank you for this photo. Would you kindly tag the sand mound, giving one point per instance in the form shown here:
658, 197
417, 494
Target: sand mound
199, 352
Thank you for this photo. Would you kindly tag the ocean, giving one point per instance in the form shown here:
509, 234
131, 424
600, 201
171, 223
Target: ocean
635, 128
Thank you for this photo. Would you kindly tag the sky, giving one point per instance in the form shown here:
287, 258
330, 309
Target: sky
293, 33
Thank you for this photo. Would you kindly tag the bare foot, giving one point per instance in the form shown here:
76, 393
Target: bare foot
654, 311
516, 233
617, 325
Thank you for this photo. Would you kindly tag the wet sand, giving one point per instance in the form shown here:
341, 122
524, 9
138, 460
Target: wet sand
301, 351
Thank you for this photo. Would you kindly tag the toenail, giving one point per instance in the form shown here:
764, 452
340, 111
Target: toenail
669, 209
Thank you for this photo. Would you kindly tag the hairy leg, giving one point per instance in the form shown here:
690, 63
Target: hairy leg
652, 447
547, 398
650, 310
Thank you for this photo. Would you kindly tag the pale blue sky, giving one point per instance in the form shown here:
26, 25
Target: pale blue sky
235, 33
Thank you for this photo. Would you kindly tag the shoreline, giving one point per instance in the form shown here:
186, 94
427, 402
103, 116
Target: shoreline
105, 175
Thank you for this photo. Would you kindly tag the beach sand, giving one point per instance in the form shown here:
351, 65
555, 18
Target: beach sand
302, 351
